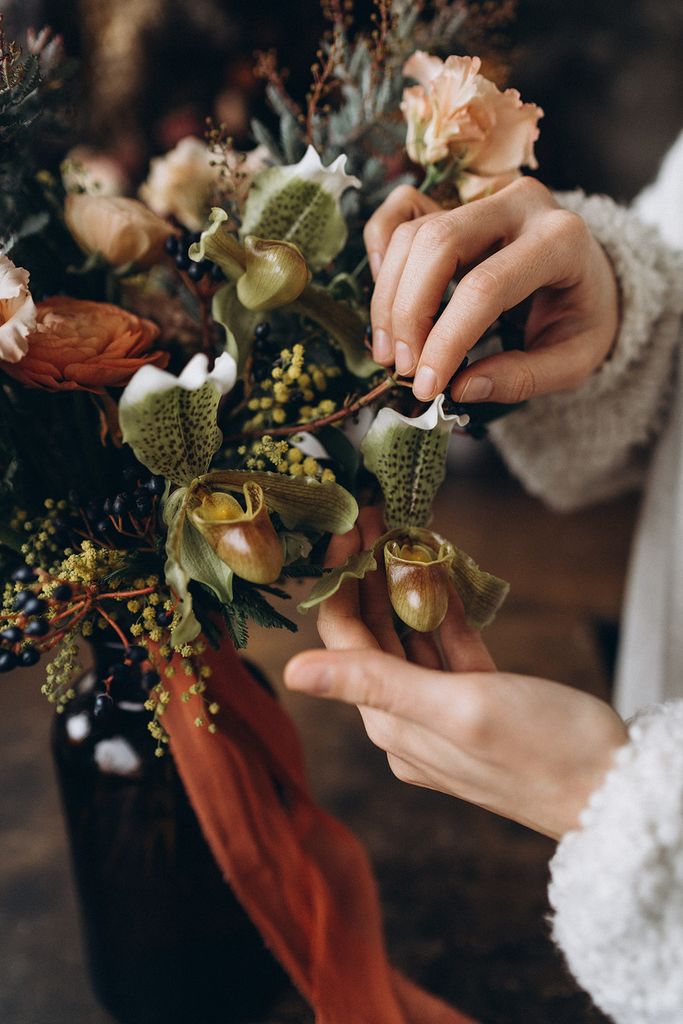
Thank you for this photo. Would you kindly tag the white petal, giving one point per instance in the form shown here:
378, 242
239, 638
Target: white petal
151, 380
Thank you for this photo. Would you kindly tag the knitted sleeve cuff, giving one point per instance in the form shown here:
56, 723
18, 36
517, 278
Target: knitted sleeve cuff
617, 882
591, 443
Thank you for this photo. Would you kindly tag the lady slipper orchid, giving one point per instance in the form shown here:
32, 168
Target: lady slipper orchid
418, 580
300, 203
243, 538
275, 274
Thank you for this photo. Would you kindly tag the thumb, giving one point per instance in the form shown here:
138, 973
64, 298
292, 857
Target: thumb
516, 376
367, 678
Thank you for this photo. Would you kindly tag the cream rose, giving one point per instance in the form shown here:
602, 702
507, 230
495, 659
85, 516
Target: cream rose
456, 113
17, 311
181, 182
88, 170
123, 230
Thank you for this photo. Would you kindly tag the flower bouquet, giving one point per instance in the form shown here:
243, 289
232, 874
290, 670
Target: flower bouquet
184, 377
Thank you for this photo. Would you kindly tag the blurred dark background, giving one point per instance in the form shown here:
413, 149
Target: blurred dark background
608, 74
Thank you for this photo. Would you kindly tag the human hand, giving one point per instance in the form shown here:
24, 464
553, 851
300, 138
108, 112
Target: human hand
525, 748
512, 245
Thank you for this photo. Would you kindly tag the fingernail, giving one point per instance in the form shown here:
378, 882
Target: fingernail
476, 389
375, 259
309, 677
381, 344
404, 358
424, 385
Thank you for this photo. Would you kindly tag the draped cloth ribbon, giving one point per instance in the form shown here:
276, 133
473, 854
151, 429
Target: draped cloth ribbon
304, 880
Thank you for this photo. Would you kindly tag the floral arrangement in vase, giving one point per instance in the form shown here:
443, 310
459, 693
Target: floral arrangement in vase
184, 374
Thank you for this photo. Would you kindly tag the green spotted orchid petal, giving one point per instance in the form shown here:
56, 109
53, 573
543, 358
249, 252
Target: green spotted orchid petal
170, 422
300, 203
408, 457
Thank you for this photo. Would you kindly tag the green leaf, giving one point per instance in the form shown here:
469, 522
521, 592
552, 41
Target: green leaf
301, 503
170, 422
344, 325
355, 567
408, 457
239, 323
342, 452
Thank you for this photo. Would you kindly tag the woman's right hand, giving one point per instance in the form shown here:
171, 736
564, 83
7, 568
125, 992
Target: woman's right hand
515, 244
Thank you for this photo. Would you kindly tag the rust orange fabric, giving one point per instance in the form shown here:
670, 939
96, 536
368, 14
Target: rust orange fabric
301, 876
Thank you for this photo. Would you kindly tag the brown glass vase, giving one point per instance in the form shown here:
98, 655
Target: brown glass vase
166, 940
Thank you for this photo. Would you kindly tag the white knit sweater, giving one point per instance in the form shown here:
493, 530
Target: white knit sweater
617, 883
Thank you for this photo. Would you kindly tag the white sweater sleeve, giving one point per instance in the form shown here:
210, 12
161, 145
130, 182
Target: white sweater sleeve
592, 443
617, 882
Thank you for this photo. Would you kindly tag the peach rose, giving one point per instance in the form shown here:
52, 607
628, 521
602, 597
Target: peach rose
122, 230
456, 113
17, 311
89, 346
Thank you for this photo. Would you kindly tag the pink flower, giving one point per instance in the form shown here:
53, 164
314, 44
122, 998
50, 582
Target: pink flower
17, 311
456, 113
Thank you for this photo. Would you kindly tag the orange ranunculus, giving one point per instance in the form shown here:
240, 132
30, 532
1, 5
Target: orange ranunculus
85, 345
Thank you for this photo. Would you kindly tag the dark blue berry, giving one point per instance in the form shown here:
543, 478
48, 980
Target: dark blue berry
136, 653
183, 261
121, 504
103, 526
217, 274
119, 672
156, 485
164, 617
149, 679
262, 330
62, 592
197, 271
193, 238
108, 506
8, 661
35, 606
24, 574
12, 635
143, 505
29, 656
103, 706
37, 627
21, 600
171, 245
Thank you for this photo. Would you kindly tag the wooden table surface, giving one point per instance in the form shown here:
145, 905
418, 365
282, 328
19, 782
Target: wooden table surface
463, 892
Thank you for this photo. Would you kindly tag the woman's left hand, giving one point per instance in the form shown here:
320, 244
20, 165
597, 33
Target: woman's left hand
525, 748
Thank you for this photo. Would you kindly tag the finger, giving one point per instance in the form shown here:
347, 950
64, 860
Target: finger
422, 650
376, 680
502, 281
440, 246
462, 646
340, 625
375, 607
405, 203
512, 377
383, 349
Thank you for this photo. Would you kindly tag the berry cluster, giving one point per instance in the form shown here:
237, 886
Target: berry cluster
177, 246
122, 513
129, 678
29, 623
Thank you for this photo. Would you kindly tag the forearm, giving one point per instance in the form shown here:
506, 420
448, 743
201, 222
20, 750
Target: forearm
575, 447
617, 882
